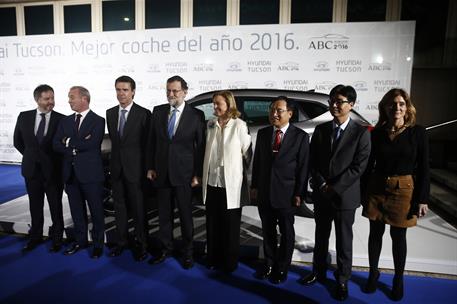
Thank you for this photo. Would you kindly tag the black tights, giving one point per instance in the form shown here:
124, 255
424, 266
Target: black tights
398, 236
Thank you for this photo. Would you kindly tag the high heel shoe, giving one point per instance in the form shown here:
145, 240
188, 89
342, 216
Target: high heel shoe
397, 288
372, 282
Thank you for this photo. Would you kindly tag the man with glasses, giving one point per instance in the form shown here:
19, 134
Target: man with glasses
279, 180
175, 162
339, 154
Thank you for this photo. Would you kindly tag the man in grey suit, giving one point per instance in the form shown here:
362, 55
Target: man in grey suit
339, 154
41, 166
128, 125
175, 162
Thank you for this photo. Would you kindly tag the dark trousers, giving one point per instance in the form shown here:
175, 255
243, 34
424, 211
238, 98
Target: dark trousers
78, 195
128, 199
399, 247
324, 215
281, 257
222, 230
37, 187
167, 196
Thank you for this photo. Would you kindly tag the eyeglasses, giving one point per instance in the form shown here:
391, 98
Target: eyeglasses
173, 91
338, 102
277, 111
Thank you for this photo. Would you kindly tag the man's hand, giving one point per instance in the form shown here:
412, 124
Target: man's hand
196, 181
423, 209
297, 201
152, 175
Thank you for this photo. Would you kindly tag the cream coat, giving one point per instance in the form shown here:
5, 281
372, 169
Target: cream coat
236, 144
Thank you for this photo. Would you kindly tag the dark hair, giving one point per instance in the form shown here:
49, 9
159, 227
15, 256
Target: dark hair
289, 104
180, 79
346, 91
128, 79
40, 89
387, 101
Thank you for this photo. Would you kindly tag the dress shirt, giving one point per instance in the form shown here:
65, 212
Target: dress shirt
38, 120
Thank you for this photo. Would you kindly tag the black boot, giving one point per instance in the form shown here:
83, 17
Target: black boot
397, 288
372, 282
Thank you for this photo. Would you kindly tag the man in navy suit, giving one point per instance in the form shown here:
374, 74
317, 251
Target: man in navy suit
339, 154
128, 125
279, 181
78, 138
175, 164
41, 166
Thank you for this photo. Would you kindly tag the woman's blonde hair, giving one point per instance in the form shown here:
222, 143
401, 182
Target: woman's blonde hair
229, 99
388, 100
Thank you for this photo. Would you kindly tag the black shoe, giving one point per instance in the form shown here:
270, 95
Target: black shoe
187, 263
342, 292
116, 251
264, 272
312, 278
97, 252
73, 249
32, 244
372, 282
397, 288
278, 277
56, 246
163, 255
140, 254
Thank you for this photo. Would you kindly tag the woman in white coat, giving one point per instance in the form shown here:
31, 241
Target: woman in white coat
228, 146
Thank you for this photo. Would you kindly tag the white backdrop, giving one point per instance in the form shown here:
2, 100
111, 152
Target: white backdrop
373, 57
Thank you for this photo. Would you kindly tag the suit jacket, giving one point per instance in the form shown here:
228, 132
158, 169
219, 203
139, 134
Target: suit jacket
237, 154
128, 151
279, 178
34, 153
178, 159
82, 156
342, 168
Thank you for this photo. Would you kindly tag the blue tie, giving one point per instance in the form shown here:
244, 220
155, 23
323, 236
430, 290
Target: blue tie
336, 137
41, 127
171, 123
122, 122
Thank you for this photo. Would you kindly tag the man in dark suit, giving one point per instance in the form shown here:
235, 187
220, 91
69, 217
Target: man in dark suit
175, 164
128, 124
279, 181
41, 166
339, 154
78, 138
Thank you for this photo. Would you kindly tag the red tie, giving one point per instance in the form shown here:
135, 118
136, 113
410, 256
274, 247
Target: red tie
277, 142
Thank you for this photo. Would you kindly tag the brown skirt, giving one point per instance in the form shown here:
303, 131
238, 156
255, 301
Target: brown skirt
389, 200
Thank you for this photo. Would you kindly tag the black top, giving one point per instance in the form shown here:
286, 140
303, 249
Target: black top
406, 154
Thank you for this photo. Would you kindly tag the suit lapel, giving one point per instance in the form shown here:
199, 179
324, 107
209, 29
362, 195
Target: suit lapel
347, 133
183, 120
85, 123
130, 120
287, 141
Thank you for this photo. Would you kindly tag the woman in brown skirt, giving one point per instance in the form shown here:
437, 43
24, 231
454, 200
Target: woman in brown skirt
398, 183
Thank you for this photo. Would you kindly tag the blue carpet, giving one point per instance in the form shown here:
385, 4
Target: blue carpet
55, 278
11, 183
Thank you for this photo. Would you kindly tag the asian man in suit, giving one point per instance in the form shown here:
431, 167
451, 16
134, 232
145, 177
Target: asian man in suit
339, 154
279, 183
78, 138
41, 166
128, 125
176, 147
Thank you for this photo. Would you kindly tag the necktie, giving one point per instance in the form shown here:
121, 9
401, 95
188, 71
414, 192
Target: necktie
41, 127
171, 124
77, 121
122, 122
336, 136
277, 141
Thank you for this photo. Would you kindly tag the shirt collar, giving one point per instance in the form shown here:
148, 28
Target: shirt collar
283, 129
126, 108
180, 108
39, 112
83, 113
343, 125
